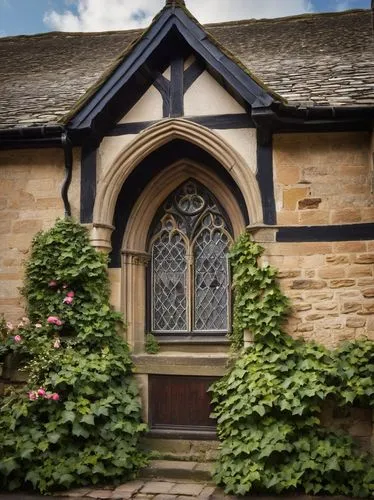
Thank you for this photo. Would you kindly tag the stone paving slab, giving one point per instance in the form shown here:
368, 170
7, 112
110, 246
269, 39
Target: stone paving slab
189, 489
157, 487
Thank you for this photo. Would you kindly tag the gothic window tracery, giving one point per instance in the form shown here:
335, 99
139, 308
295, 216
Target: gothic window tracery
190, 285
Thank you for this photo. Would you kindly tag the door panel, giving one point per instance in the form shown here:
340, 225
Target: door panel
180, 403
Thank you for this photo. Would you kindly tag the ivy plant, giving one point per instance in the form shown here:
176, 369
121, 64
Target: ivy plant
268, 406
151, 345
78, 421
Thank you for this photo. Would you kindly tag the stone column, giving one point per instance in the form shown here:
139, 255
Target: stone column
134, 296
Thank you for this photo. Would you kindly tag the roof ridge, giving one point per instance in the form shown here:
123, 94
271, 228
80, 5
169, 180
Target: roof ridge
175, 3
208, 25
296, 17
74, 33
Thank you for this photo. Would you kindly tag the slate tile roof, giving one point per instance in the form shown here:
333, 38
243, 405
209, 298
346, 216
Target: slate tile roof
324, 59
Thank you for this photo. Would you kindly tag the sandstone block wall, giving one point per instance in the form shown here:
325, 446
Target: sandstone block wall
331, 288
323, 178
30, 200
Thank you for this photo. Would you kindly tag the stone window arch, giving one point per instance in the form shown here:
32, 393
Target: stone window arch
136, 240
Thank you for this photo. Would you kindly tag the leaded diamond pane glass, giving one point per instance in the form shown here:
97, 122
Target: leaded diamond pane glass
190, 276
211, 280
169, 308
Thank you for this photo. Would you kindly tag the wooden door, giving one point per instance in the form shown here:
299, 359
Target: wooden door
179, 406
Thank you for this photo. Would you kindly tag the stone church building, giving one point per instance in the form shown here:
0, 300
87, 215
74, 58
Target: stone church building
168, 144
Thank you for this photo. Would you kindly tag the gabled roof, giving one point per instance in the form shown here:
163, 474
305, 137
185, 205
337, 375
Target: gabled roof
173, 32
323, 59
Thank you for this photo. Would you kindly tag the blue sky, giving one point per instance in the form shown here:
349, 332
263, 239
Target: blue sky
37, 16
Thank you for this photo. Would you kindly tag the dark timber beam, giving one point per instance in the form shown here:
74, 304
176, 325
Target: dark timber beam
88, 182
176, 87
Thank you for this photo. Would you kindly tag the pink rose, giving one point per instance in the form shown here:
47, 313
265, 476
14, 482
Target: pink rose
57, 344
41, 392
32, 395
17, 339
48, 395
70, 294
55, 396
52, 284
68, 300
38, 325
54, 320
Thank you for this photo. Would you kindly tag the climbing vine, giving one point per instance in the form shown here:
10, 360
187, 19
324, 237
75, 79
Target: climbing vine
268, 407
78, 420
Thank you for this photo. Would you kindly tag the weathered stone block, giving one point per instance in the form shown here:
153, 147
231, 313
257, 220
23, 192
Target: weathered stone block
308, 284
329, 272
337, 259
317, 297
367, 214
292, 196
288, 273
349, 246
360, 271
367, 258
367, 308
301, 307
314, 317
346, 216
333, 323
368, 293
305, 327
342, 283
326, 306
370, 324
365, 282
355, 322
314, 217
309, 273
312, 261
309, 203
350, 307
289, 174
288, 218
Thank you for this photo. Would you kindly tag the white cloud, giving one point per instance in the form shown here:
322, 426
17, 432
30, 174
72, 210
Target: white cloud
342, 5
99, 15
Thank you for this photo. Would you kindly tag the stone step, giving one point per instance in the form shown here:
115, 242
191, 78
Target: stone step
181, 449
177, 469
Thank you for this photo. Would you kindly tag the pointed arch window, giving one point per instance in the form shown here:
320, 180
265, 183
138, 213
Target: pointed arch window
189, 272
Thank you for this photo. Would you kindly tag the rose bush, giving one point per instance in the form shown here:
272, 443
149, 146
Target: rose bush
78, 420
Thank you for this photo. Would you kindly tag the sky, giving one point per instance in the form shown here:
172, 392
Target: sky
19, 17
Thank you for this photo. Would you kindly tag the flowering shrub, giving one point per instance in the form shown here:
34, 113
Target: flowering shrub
10, 336
78, 421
